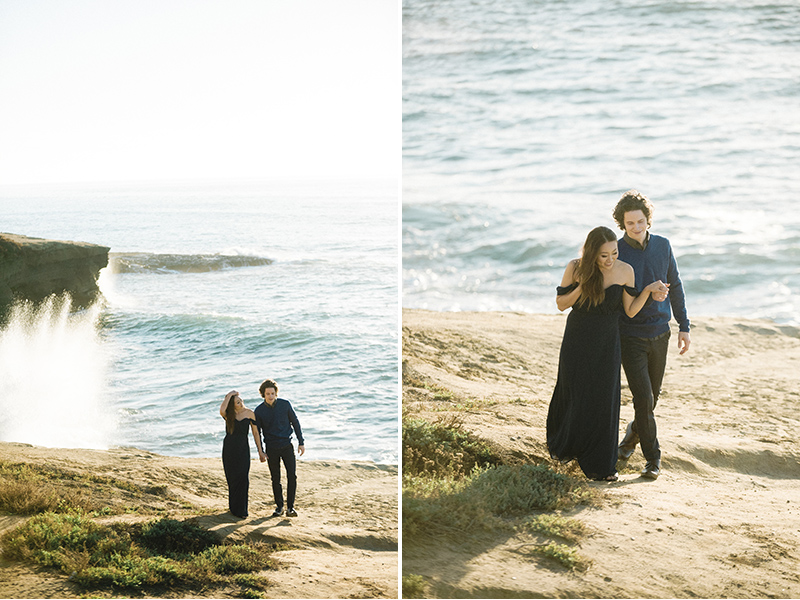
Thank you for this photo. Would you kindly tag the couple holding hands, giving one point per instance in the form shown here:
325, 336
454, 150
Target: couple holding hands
275, 419
618, 292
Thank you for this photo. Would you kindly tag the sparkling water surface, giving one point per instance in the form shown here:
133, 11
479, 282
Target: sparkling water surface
523, 123
210, 288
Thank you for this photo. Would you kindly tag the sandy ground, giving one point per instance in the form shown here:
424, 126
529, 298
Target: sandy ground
722, 520
344, 539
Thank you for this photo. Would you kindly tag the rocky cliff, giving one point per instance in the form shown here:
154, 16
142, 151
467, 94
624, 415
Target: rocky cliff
33, 268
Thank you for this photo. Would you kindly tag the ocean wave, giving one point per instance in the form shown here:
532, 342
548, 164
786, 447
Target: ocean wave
145, 262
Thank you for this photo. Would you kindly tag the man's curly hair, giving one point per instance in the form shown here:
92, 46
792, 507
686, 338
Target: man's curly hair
633, 200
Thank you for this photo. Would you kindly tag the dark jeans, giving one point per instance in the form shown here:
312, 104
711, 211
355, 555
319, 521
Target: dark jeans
274, 457
644, 361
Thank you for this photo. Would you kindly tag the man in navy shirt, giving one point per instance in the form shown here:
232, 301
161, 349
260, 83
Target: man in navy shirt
645, 337
276, 419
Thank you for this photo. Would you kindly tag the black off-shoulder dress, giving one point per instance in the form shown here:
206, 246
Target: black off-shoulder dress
583, 418
236, 462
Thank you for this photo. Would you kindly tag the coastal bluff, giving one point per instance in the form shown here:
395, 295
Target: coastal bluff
34, 268
722, 520
344, 543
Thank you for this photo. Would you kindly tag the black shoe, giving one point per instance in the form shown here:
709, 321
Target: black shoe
652, 469
291, 512
628, 443
278, 512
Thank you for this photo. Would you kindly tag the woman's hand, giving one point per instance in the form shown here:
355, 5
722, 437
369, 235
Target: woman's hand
656, 289
633, 305
660, 294
224, 406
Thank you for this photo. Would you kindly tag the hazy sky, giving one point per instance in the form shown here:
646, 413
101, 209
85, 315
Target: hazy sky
144, 90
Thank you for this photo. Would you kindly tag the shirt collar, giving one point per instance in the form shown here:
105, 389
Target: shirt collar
634, 244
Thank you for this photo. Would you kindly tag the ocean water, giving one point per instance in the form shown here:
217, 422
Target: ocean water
210, 288
524, 122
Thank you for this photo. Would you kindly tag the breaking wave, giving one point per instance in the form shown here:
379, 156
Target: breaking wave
53, 368
145, 262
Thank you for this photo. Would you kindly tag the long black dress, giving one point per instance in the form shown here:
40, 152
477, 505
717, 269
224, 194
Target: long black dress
236, 462
583, 418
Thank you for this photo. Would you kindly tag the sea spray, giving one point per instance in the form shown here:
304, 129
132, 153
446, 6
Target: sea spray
53, 389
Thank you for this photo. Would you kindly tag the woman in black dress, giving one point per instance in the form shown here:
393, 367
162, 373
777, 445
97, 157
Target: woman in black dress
236, 451
583, 418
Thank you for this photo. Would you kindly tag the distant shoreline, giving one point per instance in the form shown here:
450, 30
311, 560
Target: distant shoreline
253, 454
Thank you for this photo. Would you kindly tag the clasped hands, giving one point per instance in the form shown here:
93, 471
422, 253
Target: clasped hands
658, 290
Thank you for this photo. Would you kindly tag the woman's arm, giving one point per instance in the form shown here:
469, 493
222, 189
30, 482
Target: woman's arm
634, 305
565, 301
224, 406
261, 455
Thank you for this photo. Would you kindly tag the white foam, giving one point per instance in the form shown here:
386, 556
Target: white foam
53, 385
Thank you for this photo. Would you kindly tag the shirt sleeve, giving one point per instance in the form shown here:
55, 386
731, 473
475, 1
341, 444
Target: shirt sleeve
296, 426
258, 422
677, 299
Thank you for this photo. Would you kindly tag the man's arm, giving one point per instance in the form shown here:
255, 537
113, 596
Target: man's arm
677, 300
301, 447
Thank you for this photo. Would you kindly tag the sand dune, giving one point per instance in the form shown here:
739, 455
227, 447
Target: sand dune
723, 520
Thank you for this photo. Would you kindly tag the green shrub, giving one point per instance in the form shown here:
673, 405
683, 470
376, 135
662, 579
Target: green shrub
133, 571
564, 555
44, 538
554, 526
414, 586
164, 552
440, 507
484, 498
170, 537
436, 449
510, 490
236, 559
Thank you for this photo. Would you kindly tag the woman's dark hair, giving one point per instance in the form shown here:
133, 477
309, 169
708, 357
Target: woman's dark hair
629, 201
267, 383
587, 272
230, 415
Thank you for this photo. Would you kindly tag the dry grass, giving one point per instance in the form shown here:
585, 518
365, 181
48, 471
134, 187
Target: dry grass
28, 489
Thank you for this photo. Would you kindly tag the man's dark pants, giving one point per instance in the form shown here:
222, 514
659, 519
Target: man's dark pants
644, 361
274, 457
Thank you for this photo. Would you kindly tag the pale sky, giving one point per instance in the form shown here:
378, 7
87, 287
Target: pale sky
149, 90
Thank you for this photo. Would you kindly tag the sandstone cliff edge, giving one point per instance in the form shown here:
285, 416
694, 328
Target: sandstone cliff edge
33, 269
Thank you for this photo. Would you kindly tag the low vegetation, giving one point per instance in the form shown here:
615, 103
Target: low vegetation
160, 555
414, 586
29, 489
443, 449
9, 247
454, 482
68, 532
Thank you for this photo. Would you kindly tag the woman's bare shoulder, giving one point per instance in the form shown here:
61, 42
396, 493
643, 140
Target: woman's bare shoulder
625, 273
572, 266
624, 267
569, 272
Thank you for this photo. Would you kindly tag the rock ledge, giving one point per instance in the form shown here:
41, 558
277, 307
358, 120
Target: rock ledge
34, 268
